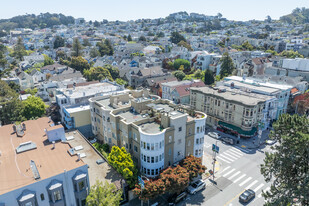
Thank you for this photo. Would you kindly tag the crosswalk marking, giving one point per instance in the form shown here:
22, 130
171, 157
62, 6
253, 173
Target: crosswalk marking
234, 153
230, 156
253, 183
258, 187
242, 149
239, 178
267, 188
229, 159
229, 172
244, 182
231, 177
225, 169
223, 159
207, 145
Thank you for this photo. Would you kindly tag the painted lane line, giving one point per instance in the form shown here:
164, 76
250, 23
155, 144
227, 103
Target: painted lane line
225, 169
258, 187
230, 156
236, 151
231, 152
239, 178
226, 174
244, 182
229, 159
223, 160
231, 177
253, 183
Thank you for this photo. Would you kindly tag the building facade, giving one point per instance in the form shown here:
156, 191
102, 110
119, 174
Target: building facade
156, 132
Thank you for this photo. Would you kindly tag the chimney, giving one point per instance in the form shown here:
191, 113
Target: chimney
54, 145
14, 128
78, 155
24, 126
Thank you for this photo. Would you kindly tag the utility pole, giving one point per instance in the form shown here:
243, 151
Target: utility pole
214, 162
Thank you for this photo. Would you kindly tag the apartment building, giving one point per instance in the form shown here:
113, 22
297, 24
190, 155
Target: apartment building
74, 104
156, 132
281, 91
232, 110
38, 166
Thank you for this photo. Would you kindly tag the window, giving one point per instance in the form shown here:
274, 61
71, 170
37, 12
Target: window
199, 151
28, 204
170, 152
169, 139
160, 145
189, 143
81, 185
196, 152
160, 158
134, 136
148, 171
42, 197
198, 129
57, 194
152, 172
197, 141
157, 159
157, 171
127, 145
152, 146
179, 141
148, 159
144, 158
110, 140
190, 131
144, 145
156, 146
148, 146
152, 159
135, 148
180, 129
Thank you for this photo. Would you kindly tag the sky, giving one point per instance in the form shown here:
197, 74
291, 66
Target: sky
137, 9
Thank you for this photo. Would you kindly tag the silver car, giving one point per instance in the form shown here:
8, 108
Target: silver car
196, 186
214, 135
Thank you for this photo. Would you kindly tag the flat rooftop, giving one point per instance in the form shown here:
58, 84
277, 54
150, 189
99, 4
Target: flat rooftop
74, 109
151, 128
251, 87
131, 116
15, 168
230, 96
100, 172
165, 107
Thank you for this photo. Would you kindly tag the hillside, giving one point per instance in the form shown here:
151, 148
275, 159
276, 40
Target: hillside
298, 16
35, 21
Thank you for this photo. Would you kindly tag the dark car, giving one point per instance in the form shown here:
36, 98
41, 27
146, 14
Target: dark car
228, 140
174, 199
246, 196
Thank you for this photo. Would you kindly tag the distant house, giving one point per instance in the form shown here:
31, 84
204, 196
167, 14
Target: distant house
139, 78
37, 76
25, 81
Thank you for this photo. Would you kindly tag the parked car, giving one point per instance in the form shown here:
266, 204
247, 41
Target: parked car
94, 140
228, 140
174, 199
270, 141
100, 161
246, 196
196, 186
214, 135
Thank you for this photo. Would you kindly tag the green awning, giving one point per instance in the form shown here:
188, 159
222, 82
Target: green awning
237, 129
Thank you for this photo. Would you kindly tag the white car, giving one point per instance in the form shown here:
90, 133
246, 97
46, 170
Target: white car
196, 186
214, 135
94, 140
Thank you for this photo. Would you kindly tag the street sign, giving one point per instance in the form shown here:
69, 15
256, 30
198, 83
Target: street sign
141, 182
215, 148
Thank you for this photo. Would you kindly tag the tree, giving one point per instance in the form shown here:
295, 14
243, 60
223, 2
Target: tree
193, 165
219, 15
94, 52
129, 38
179, 62
198, 74
61, 55
175, 179
79, 63
209, 77
152, 189
105, 48
48, 60
247, 46
142, 38
31, 91
86, 42
76, 48
123, 163
287, 166
114, 71
59, 42
185, 44
176, 38
19, 49
34, 107
121, 82
291, 54
97, 73
179, 75
96, 23
227, 65
11, 108
104, 194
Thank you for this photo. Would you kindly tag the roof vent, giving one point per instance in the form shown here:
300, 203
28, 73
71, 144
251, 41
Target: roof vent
34, 169
26, 146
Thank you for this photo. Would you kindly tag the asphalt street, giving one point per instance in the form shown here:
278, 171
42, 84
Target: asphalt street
239, 170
